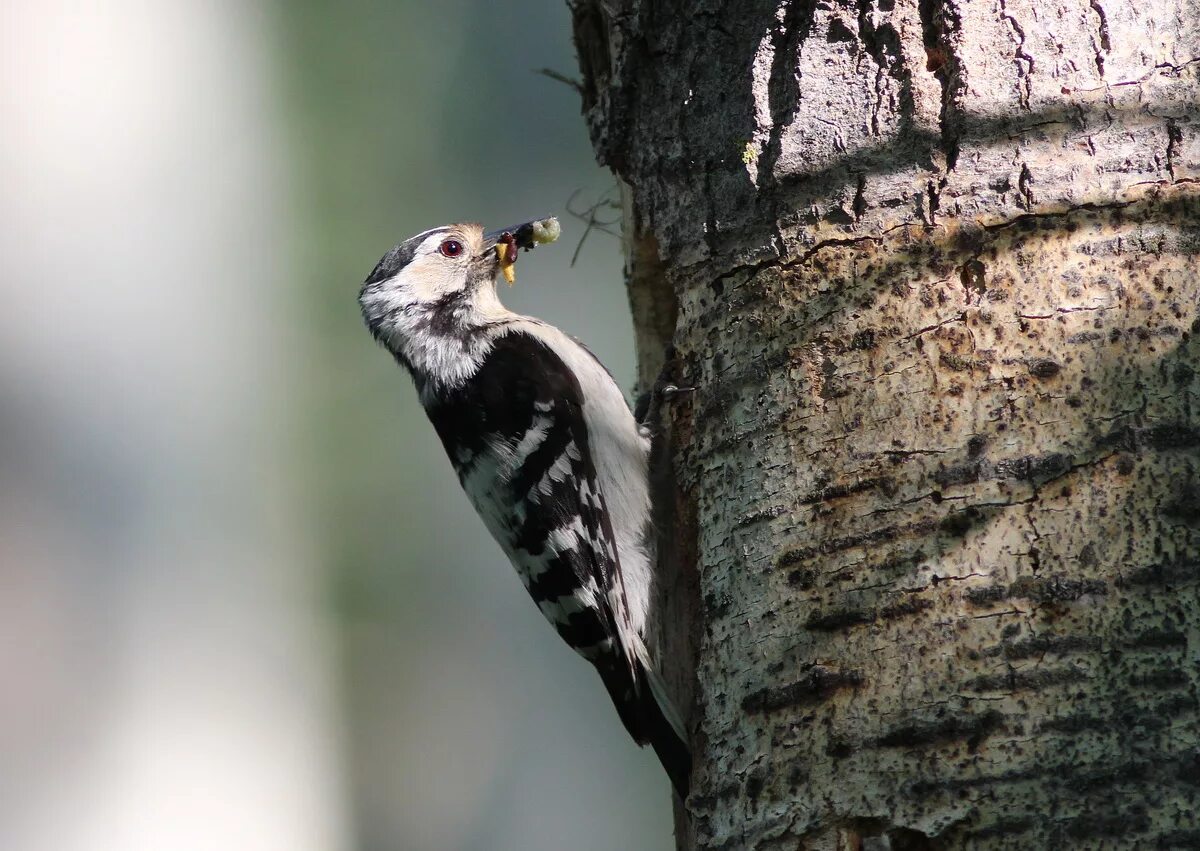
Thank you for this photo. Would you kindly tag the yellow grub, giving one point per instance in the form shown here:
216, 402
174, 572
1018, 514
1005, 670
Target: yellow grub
507, 266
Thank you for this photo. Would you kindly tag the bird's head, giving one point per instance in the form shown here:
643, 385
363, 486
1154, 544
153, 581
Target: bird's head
444, 279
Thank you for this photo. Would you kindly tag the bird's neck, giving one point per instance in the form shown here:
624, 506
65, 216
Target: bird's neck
444, 345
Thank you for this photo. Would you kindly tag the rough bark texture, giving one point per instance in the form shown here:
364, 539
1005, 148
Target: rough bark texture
932, 266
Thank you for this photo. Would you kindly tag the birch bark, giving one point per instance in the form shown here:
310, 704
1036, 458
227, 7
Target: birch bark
932, 516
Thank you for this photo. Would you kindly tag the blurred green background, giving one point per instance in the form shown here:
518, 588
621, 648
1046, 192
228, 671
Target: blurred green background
243, 603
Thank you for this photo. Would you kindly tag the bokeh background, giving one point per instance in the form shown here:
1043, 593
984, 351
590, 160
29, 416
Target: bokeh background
243, 604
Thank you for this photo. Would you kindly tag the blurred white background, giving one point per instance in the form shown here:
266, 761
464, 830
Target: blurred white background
242, 603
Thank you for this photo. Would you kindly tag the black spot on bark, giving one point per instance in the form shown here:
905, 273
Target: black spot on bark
1042, 644
716, 605
818, 684
1105, 824
973, 276
907, 839
904, 608
1160, 639
838, 31
1004, 827
1044, 368
802, 579
960, 522
838, 491
1035, 468
863, 340
1186, 505
838, 619
754, 786
1162, 437
1075, 723
1025, 680
759, 516
1179, 839
958, 474
959, 363
1164, 678
874, 536
987, 595
973, 728
1056, 589
1188, 768
1165, 573
839, 748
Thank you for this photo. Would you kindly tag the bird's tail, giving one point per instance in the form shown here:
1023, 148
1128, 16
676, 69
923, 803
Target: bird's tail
650, 717
664, 729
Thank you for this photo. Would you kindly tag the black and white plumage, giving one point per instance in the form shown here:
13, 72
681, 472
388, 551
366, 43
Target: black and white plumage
546, 449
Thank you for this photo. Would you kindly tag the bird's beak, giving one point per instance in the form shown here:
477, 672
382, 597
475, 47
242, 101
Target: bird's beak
506, 242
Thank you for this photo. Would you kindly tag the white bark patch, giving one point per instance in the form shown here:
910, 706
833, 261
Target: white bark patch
760, 88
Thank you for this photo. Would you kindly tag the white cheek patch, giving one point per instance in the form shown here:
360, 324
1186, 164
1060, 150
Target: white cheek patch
430, 277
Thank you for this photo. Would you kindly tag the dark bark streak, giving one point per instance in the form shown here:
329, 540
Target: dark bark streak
1104, 44
819, 684
973, 728
940, 26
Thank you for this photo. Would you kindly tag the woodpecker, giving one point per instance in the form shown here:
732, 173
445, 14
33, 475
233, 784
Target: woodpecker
545, 447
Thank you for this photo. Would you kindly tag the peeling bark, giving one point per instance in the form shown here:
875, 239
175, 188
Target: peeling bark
931, 520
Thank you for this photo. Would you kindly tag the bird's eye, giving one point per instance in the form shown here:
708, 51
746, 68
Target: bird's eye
450, 248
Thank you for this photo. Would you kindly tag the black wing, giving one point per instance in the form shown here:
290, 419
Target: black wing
519, 441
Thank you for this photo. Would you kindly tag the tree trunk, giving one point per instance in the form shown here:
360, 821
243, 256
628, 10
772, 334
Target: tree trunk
933, 537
